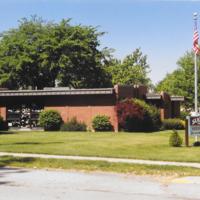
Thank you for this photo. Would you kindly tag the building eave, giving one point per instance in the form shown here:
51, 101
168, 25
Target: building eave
58, 92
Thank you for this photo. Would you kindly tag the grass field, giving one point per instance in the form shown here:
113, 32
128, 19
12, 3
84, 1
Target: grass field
137, 169
153, 146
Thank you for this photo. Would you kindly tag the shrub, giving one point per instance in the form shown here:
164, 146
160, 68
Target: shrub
175, 140
196, 144
184, 114
50, 120
136, 115
169, 124
130, 115
151, 118
101, 123
73, 125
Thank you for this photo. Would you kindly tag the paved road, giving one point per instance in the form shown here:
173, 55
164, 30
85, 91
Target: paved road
23, 184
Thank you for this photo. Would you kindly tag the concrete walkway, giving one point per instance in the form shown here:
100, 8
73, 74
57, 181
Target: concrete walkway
112, 160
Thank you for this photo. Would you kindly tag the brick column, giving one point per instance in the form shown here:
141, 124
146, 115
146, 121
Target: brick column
3, 112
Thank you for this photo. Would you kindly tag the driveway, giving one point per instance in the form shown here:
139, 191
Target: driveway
23, 184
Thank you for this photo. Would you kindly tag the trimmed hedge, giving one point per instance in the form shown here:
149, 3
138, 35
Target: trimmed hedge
73, 125
175, 140
50, 120
137, 115
101, 123
169, 124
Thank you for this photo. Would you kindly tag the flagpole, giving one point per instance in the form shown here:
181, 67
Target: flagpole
195, 72
196, 76
195, 84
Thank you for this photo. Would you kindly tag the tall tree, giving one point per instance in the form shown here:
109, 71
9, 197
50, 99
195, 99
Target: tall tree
130, 71
181, 81
37, 53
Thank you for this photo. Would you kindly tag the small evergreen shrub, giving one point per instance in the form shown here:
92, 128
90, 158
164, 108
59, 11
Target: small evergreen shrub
101, 123
73, 125
137, 115
50, 120
196, 144
175, 140
169, 124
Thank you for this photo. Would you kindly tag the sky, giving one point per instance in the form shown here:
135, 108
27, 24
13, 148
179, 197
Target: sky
162, 29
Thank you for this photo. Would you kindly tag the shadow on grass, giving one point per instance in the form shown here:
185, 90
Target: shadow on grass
32, 143
5, 171
5, 182
6, 132
8, 160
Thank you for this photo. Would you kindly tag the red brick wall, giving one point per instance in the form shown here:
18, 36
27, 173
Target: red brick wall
84, 107
86, 113
175, 109
125, 91
165, 110
3, 112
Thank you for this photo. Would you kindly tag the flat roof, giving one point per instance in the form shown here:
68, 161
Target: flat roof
57, 92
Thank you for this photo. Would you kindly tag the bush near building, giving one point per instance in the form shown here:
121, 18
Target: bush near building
137, 115
151, 117
130, 115
50, 120
169, 124
73, 125
184, 114
175, 140
102, 123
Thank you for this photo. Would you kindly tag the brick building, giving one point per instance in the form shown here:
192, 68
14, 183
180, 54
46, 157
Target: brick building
21, 108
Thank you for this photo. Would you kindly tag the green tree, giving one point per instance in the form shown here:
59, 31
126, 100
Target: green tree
37, 53
181, 81
130, 71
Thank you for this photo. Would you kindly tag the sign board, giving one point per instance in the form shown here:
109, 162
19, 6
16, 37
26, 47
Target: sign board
194, 125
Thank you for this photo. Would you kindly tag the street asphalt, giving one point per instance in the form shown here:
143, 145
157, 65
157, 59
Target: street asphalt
33, 184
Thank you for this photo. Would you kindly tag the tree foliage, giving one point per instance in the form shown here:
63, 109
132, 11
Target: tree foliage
181, 81
37, 53
130, 71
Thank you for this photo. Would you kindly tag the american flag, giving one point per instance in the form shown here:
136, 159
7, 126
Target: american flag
195, 40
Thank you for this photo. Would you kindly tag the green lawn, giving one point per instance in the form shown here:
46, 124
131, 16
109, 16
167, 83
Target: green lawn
153, 146
98, 166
